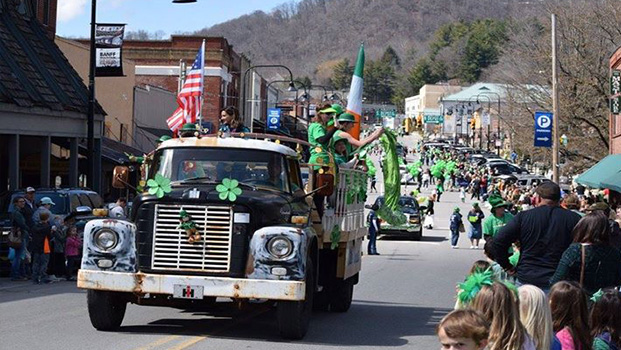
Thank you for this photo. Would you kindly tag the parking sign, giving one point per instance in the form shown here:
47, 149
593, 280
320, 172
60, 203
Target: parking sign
543, 129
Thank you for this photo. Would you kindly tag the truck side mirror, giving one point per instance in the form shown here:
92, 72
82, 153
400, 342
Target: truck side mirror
120, 176
325, 184
368, 206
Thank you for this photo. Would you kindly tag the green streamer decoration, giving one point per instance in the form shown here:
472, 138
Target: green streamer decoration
390, 210
473, 285
335, 237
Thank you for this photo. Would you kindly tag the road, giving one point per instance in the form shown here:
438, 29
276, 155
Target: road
401, 296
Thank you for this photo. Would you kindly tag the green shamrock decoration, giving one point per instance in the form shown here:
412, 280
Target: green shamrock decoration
228, 189
335, 237
595, 298
159, 186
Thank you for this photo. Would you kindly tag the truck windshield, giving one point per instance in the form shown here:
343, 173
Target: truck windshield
252, 167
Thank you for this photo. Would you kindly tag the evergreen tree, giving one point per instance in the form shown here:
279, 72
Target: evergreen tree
391, 57
341, 75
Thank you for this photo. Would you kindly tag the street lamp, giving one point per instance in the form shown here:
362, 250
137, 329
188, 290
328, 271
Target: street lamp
498, 125
243, 94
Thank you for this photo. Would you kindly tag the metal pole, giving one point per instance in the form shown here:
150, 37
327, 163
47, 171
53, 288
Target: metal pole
90, 136
498, 128
555, 116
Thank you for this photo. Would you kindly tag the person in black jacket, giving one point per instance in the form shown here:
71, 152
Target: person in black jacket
543, 232
41, 233
18, 271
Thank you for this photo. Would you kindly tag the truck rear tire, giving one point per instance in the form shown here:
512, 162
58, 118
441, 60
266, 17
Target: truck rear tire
105, 309
294, 316
342, 295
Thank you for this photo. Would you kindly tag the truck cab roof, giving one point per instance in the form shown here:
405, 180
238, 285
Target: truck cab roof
229, 142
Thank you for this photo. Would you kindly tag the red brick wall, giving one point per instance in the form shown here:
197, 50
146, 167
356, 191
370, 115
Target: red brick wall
40, 6
615, 120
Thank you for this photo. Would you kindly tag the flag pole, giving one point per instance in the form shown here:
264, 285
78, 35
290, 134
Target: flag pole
200, 111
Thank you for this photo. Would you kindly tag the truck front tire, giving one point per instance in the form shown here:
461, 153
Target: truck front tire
294, 316
105, 309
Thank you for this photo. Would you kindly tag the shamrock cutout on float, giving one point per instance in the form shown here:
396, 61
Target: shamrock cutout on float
228, 189
159, 186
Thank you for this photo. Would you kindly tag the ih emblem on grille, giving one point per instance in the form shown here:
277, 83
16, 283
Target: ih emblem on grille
190, 227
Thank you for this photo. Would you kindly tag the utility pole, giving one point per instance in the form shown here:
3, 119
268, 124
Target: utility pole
555, 116
90, 114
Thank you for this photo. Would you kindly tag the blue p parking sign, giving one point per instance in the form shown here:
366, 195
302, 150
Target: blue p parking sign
543, 129
273, 118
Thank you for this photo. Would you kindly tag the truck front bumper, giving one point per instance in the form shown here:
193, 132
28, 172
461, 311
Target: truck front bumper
143, 283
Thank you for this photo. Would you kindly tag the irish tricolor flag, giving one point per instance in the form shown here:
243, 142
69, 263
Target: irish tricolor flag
354, 100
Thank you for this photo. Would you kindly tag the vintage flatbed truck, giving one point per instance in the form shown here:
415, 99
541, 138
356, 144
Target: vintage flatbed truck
228, 217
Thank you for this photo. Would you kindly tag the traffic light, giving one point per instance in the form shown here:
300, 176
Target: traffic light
473, 124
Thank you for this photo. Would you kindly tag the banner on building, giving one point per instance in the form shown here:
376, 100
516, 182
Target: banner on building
108, 43
449, 124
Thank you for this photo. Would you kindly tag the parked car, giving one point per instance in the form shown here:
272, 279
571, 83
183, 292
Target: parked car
413, 228
505, 169
67, 201
530, 180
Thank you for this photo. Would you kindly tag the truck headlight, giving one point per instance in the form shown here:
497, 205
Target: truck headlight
280, 247
106, 239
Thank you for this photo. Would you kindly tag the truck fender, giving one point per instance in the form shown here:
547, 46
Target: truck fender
262, 261
121, 257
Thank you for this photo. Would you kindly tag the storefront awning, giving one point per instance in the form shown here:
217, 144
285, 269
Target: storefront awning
605, 174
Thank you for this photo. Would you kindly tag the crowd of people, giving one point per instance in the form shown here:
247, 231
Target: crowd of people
49, 247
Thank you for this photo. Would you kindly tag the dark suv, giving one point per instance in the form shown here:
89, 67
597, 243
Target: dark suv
67, 200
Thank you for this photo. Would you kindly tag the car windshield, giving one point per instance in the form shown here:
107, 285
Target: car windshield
405, 202
59, 199
252, 167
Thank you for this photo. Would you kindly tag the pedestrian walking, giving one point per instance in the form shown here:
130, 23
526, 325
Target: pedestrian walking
464, 330
456, 224
605, 322
373, 183
373, 230
499, 218
570, 317
544, 233
462, 194
118, 211
475, 217
428, 223
41, 237
426, 178
475, 188
18, 222
590, 260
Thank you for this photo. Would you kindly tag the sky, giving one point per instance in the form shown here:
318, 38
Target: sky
154, 15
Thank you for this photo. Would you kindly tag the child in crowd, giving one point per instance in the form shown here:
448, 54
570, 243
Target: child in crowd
499, 305
498, 272
479, 267
455, 223
72, 252
463, 330
606, 320
536, 317
570, 318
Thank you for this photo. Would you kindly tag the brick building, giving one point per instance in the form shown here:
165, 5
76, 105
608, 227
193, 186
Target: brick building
157, 64
615, 115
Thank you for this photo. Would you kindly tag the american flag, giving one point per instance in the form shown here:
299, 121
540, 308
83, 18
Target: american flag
190, 96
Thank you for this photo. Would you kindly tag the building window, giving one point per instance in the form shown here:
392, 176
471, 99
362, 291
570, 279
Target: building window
46, 12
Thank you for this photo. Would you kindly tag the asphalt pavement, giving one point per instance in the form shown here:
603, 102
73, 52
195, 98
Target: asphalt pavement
401, 296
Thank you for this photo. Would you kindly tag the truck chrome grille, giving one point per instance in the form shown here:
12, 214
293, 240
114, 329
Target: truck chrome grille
171, 249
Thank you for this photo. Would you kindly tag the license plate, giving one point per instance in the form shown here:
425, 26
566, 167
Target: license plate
183, 291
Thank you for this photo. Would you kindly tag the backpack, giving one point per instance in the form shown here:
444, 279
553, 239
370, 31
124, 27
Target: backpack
15, 238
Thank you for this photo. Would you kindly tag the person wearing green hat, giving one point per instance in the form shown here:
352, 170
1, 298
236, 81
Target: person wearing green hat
475, 216
455, 223
162, 139
188, 130
338, 109
345, 122
319, 138
499, 218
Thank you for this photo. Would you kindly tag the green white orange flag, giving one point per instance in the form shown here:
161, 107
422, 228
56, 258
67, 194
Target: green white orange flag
354, 100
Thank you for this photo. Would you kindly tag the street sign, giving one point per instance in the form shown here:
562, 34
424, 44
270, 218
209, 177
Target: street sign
543, 129
615, 82
273, 118
487, 119
433, 119
615, 105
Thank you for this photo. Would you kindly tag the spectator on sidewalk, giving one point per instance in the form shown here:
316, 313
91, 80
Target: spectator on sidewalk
57, 257
30, 207
606, 320
615, 230
536, 317
373, 229
499, 218
118, 211
570, 316
602, 262
475, 217
41, 237
18, 271
45, 206
464, 330
72, 252
543, 233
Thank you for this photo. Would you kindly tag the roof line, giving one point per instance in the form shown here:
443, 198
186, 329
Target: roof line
64, 99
